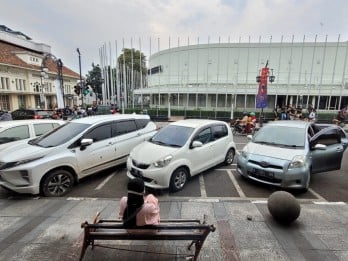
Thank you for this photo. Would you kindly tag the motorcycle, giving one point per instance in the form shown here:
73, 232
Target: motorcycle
247, 129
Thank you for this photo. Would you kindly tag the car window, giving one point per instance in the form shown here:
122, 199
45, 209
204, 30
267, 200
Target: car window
42, 128
123, 127
327, 136
172, 135
99, 133
15, 133
141, 123
281, 135
204, 136
219, 131
61, 134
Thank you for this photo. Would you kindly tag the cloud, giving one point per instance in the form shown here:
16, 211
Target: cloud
88, 24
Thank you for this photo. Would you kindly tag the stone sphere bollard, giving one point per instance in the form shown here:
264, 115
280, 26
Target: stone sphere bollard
284, 207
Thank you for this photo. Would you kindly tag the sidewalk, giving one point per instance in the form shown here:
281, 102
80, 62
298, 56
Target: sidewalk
49, 229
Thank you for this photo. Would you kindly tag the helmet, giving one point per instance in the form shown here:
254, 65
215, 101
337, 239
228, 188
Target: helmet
252, 113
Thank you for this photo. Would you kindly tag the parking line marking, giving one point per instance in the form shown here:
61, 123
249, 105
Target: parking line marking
236, 185
101, 185
316, 194
202, 187
330, 203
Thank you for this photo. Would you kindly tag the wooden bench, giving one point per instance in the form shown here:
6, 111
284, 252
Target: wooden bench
170, 229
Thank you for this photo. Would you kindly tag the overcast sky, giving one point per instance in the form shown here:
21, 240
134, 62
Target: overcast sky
89, 24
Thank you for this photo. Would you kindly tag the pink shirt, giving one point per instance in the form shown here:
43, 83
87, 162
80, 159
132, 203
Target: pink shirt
149, 213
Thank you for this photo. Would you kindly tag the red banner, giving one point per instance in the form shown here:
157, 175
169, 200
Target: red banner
261, 98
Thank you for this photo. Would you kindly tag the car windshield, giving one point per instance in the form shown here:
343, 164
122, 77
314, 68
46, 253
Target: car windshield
280, 136
172, 135
60, 135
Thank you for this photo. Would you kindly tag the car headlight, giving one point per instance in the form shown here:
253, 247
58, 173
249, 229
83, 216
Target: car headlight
297, 162
163, 162
20, 162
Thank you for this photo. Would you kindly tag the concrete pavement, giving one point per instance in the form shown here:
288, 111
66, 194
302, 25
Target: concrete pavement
49, 229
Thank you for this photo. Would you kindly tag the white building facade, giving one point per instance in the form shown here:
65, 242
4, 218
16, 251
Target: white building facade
222, 76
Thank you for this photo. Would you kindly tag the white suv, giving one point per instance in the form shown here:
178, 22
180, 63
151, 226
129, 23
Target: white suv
54, 162
180, 150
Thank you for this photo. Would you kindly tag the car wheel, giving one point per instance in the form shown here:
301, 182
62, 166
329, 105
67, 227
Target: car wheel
57, 183
178, 179
229, 157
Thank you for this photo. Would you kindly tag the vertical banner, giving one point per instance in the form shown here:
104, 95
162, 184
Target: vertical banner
261, 97
59, 93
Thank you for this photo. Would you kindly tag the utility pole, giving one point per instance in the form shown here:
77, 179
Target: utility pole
81, 83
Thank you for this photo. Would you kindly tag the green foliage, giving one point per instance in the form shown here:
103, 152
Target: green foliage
94, 77
133, 56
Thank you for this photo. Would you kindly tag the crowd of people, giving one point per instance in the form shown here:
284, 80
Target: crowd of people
290, 112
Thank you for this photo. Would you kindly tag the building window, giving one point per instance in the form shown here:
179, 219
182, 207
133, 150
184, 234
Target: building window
37, 101
21, 102
20, 85
2, 83
4, 102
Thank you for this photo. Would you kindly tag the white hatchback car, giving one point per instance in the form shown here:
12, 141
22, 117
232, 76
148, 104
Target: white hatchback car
18, 130
180, 150
54, 162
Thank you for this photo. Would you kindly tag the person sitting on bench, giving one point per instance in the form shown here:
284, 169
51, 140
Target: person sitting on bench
138, 209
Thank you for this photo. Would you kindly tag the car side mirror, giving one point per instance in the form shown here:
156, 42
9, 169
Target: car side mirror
85, 142
320, 147
196, 144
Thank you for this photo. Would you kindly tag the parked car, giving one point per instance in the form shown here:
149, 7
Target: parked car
180, 150
286, 153
54, 162
27, 114
13, 131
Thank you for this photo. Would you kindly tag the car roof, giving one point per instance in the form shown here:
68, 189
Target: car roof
290, 123
11, 123
108, 117
194, 123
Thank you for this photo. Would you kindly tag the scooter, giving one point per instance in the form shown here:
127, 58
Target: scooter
242, 129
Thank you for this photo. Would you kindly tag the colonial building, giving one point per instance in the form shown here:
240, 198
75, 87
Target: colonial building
222, 76
29, 73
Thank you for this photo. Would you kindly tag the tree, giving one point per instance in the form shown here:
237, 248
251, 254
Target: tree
94, 77
132, 72
132, 57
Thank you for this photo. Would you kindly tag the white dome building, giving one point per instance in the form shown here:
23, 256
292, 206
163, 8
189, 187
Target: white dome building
222, 76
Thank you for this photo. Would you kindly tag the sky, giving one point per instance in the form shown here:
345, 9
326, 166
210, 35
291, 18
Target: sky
151, 26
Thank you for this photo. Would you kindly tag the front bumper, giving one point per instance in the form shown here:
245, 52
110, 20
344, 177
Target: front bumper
281, 176
156, 178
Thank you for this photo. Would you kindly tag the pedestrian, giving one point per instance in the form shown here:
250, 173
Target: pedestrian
341, 117
6, 116
138, 209
312, 116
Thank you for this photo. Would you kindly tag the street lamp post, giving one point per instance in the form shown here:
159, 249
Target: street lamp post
81, 83
44, 73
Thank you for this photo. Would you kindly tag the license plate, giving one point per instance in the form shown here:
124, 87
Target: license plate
263, 173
